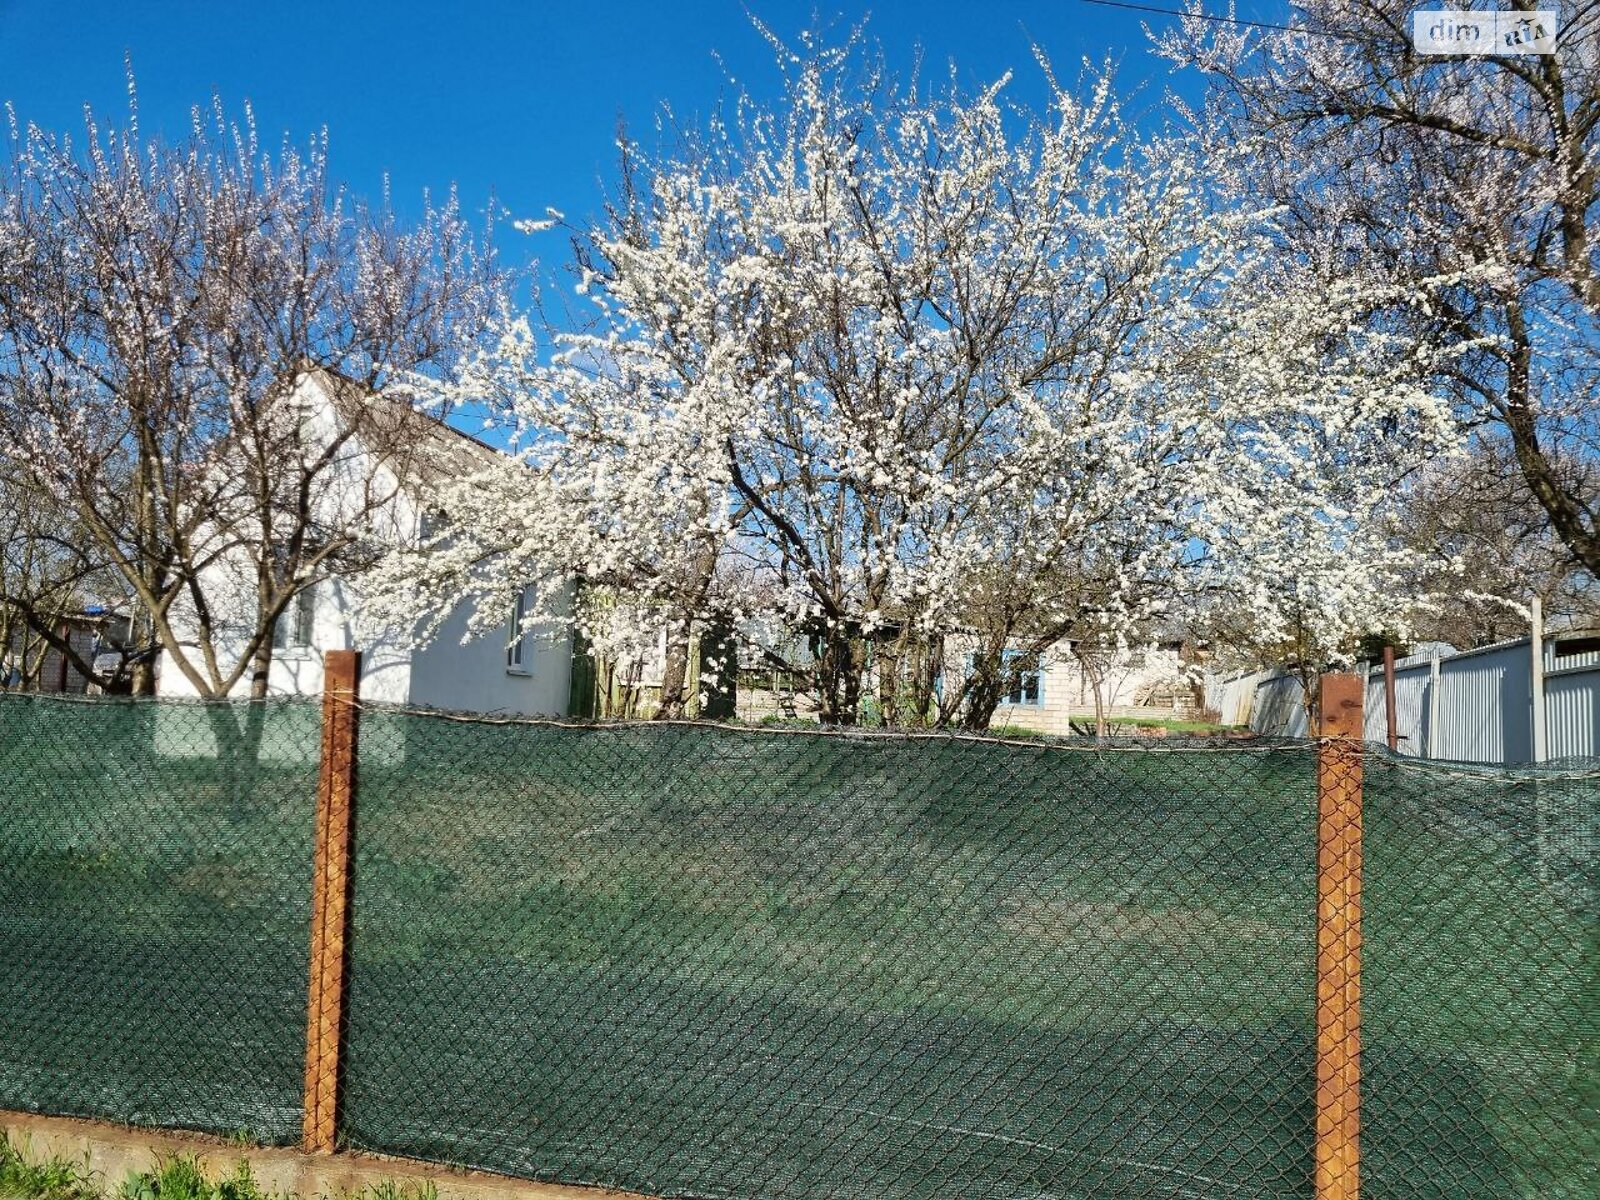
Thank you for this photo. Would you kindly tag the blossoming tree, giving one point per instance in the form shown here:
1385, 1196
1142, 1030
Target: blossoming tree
1479, 170
159, 304
935, 383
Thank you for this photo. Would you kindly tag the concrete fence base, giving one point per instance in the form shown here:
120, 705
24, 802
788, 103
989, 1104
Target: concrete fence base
112, 1152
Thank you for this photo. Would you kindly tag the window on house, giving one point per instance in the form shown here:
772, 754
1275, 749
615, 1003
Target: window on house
1025, 688
517, 652
296, 625
1027, 684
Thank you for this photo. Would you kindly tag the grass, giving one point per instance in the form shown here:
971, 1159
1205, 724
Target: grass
1174, 724
52, 1179
180, 1177
718, 962
1025, 733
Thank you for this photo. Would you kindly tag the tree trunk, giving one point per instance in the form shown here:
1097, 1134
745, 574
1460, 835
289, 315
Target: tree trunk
853, 682
839, 671
674, 700
982, 699
675, 690
7, 631
1309, 699
984, 691
143, 640
924, 688
142, 678
261, 669
717, 684
1094, 672
1567, 516
33, 666
887, 665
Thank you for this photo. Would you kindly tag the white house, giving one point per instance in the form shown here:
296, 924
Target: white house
532, 673
1056, 697
528, 674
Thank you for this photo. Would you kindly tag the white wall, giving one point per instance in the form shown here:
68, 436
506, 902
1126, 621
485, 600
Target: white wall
447, 674
297, 671
1066, 691
356, 487
473, 677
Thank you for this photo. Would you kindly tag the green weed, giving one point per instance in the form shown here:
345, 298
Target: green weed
53, 1179
180, 1177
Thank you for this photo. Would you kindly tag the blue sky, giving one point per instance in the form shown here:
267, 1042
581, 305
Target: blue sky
518, 99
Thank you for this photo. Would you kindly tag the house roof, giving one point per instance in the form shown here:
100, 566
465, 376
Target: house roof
418, 446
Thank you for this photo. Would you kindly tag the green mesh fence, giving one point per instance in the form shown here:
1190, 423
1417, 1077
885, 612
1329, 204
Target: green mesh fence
155, 911
726, 963
1481, 982
700, 962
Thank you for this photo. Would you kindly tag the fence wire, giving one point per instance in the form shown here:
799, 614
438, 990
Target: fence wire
1481, 982
698, 961
155, 910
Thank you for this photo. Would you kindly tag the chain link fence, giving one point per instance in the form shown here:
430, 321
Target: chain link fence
1481, 981
709, 961
155, 876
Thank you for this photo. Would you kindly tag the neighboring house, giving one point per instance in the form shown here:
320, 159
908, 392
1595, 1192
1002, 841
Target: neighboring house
1057, 698
524, 674
29, 663
544, 671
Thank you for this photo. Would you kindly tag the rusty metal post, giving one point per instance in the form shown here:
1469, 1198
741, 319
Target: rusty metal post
1536, 644
1388, 698
1338, 1106
332, 877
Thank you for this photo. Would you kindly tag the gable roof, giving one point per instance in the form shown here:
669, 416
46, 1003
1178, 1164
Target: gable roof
419, 447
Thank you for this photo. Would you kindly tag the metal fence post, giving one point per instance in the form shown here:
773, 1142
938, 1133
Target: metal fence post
1536, 669
1391, 717
1435, 682
330, 899
1338, 1156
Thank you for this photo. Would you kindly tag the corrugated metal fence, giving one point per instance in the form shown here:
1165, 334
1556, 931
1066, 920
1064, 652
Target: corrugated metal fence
1469, 706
